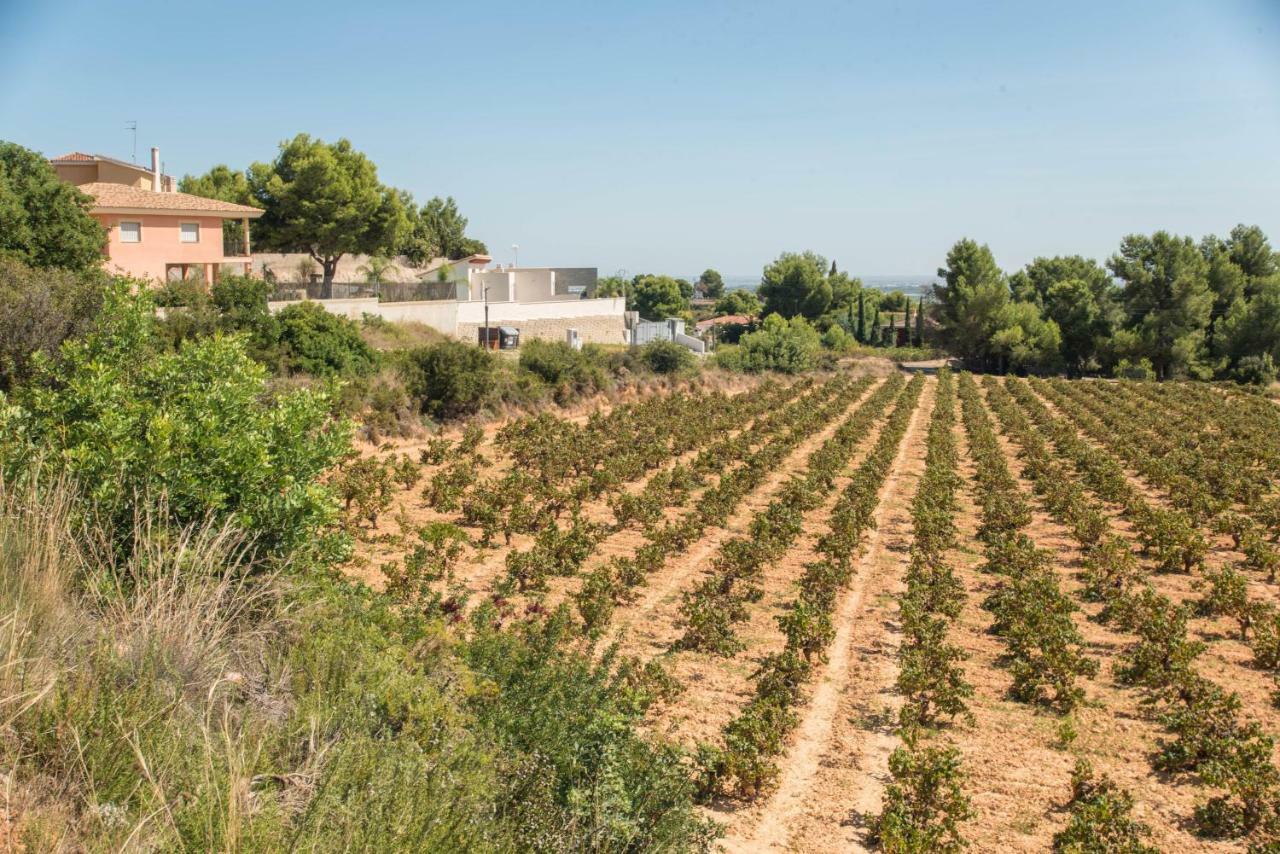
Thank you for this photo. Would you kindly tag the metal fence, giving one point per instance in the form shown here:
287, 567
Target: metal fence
382, 291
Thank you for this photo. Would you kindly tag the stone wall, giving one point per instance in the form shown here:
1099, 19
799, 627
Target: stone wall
603, 329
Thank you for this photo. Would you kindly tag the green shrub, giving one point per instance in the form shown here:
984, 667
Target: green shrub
193, 429
39, 309
728, 357
667, 357
1101, 818
320, 343
568, 371
1130, 370
925, 804
780, 345
838, 339
1255, 370
449, 379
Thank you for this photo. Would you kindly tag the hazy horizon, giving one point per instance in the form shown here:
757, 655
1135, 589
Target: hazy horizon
674, 137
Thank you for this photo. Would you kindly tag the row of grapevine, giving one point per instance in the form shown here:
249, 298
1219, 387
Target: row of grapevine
1209, 737
746, 763
924, 803
709, 611
1032, 615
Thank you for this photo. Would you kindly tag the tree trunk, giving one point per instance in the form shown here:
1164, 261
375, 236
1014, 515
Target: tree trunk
330, 266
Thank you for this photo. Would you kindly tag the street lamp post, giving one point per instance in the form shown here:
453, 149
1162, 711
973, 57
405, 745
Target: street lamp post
485, 290
515, 255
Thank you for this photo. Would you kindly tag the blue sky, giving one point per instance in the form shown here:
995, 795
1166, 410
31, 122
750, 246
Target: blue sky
671, 136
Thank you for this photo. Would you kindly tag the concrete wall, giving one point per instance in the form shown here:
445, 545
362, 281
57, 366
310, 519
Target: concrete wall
598, 320
497, 281
601, 329
534, 285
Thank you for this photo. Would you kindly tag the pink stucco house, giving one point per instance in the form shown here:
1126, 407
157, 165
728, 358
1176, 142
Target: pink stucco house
154, 232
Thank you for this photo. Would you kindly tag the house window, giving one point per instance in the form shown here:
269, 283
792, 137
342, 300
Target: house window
189, 232
130, 232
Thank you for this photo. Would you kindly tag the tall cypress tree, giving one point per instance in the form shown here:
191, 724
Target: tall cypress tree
875, 325
920, 323
906, 321
861, 334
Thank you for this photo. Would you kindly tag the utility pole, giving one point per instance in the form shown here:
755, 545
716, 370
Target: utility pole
485, 291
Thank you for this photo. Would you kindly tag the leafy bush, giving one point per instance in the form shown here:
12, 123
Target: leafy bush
666, 357
39, 309
565, 369
449, 379
925, 804
194, 429
320, 343
1130, 370
1101, 818
1255, 370
780, 345
837, 338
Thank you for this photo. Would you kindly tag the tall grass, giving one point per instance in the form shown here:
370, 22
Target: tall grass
121, 670
167, 695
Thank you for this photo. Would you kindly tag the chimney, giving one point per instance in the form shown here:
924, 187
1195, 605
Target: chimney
155, 169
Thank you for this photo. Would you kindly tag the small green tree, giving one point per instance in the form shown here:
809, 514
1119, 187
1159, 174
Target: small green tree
710, 284
44, 221
437, 229
796, 284
326, 200
739, 301
195, 432
657, 297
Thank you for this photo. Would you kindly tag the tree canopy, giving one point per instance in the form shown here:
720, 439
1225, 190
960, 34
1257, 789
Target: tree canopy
44, 221
738, 301
657, 297
972, 300
796, 284
710, 284
1166, 297
325, 199
437, 229
1164, 302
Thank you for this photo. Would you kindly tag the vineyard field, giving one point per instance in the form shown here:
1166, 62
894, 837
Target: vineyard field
888, 611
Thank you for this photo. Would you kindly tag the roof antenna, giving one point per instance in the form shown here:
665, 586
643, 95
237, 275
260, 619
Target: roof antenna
133, 126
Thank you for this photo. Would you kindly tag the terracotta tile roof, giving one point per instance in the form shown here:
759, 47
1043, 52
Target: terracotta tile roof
119, 196
722, 320
76, 157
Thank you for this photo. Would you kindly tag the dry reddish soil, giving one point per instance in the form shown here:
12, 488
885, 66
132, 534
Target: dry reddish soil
1017, 757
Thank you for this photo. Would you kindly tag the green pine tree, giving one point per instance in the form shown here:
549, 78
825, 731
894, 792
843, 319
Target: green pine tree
861, 334
920, 323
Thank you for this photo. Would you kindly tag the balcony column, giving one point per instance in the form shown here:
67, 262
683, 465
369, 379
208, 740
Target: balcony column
244, 227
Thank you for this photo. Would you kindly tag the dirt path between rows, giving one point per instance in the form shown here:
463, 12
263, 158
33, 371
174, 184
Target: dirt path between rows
838, 757
717, 687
